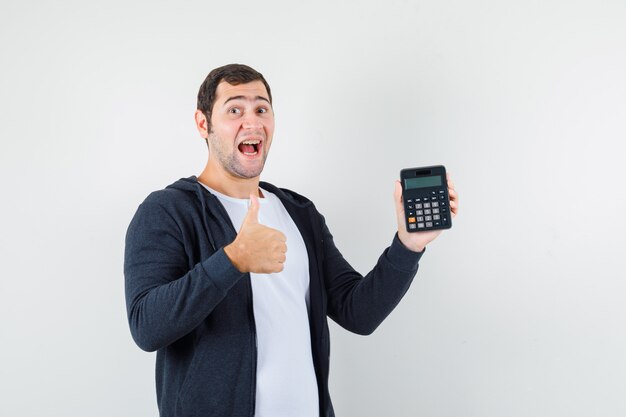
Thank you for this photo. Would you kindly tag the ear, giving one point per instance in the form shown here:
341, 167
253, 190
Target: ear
201, 124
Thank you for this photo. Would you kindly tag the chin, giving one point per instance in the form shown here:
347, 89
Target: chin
247, 173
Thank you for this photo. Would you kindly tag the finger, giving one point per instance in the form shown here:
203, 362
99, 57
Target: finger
453, 194
277, 236
279, 247
275, 265
454, 207
253, 210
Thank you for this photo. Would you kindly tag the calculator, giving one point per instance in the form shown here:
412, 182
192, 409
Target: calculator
425, 198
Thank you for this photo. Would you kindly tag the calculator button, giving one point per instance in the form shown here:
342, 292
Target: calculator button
410, 206
435, 211
429, 224
436, 217
420, 218
433, 192
437, 223
441, 197
433, 198
412, 226
418, 206
418, 199
411, 219
420, 225
440, 191
429, 218
419, 212
409, 200
426, 205
435, 204
427, 211
443, 204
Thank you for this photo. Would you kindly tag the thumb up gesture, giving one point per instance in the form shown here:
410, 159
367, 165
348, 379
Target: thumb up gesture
257, 248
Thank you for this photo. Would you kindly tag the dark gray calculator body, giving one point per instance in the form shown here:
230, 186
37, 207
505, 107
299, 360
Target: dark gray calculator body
425, 198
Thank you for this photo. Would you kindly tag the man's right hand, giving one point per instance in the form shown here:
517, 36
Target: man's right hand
257, 248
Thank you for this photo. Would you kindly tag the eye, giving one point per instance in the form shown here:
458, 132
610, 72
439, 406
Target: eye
262, 110
234, 110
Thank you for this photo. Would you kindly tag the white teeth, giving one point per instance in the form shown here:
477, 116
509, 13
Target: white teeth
251, 142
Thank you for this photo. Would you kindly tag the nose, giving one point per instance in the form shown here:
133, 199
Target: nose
252, 121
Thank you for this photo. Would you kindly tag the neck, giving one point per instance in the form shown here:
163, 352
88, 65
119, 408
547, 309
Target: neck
224, 182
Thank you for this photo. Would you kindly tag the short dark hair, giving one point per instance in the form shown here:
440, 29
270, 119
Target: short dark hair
234, 74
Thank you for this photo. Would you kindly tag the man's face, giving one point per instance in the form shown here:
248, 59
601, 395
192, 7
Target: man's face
242, 126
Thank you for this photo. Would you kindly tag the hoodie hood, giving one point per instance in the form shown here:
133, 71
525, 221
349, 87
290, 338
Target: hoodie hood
214, 211
192, 184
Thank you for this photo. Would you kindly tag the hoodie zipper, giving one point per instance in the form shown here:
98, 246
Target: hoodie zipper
255, 347
255, 350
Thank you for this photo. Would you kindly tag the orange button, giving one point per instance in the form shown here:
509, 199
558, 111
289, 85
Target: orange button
411, 219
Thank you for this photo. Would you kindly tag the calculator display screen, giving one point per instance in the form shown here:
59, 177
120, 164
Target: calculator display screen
422, 182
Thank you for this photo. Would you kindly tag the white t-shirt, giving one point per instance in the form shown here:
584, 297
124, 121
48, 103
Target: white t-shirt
286, 384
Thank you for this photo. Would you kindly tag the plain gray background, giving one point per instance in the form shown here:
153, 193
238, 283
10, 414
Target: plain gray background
517, 311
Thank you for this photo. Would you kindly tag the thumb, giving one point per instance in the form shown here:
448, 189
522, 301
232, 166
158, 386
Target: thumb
253, 210
397, 198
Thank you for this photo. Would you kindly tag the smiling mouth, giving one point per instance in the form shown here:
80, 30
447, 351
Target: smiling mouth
250, 147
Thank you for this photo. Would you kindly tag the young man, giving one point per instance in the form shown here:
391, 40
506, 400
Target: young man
231, 279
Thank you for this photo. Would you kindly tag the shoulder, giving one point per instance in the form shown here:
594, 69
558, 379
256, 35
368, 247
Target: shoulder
177, 198
169, 197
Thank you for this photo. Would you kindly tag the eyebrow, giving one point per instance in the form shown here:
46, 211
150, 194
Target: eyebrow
246, 98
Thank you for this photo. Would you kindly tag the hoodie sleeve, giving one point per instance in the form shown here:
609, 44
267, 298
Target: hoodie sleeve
360, 303
165, 300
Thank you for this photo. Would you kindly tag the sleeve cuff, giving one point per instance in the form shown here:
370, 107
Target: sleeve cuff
402, 257
221, 270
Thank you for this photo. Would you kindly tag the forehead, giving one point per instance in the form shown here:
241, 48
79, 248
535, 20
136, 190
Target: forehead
250, 91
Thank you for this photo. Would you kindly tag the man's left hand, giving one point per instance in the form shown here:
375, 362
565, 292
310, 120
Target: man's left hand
417, 241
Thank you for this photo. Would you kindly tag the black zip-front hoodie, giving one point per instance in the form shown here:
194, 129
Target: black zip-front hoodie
187, 301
